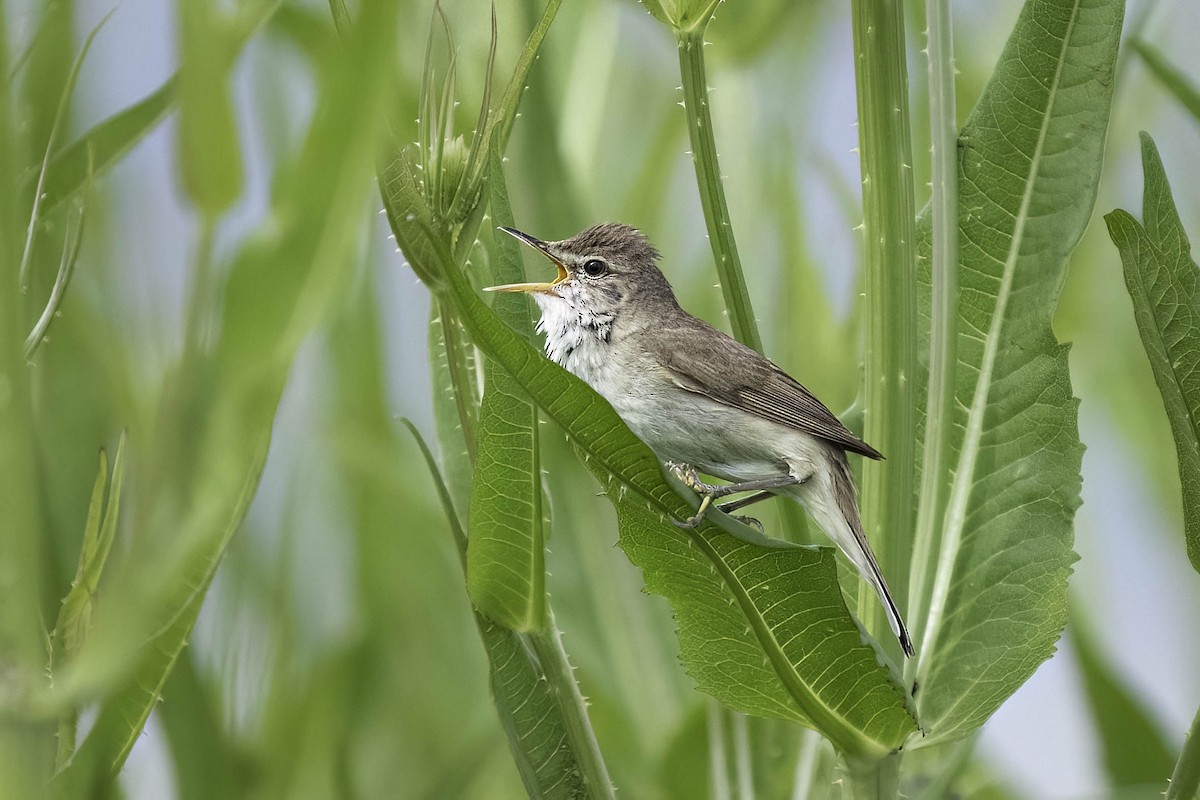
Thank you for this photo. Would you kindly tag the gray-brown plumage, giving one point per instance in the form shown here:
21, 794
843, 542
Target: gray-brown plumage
695, 395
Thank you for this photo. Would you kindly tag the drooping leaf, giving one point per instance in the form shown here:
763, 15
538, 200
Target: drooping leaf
506, 562
1164, 284
1135, 754
1029, 162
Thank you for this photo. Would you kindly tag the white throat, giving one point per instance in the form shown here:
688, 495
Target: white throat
576, 336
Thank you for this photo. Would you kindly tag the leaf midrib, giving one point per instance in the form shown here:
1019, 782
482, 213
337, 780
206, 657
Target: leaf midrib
964, 474
827, 718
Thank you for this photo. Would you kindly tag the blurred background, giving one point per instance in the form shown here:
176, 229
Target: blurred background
338, 620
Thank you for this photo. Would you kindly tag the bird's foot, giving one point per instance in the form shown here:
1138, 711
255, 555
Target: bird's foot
690, 478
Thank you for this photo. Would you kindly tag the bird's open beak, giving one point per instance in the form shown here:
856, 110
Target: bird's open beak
532, 287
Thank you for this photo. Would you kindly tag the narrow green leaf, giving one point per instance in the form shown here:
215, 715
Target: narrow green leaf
1164, 284
64, 102
1184, 90
1135, 753
1029, 163
104, 145
506, 562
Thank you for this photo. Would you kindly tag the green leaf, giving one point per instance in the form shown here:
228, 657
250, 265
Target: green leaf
1029, 162
104, 145
1135, 753
762, 623
506, 555
1184, 90
1164, 284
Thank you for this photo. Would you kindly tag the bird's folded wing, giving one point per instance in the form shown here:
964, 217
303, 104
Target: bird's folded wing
759, 387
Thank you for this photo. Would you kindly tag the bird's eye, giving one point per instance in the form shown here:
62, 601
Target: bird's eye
594, 267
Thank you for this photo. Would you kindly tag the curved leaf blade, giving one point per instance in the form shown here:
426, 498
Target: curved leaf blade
104, 145
1164, 284
1029, 163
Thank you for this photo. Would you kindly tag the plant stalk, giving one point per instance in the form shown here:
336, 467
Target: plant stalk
890, 320
712, 192
943, 328
870, 780
1185, 781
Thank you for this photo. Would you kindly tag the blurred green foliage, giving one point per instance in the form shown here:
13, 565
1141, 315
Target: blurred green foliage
335, 652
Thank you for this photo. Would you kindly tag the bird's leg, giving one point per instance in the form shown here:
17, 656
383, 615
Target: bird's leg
734, 505
709, 492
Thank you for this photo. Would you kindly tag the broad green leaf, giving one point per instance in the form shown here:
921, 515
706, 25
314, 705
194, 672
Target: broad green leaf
281, 287
762, 623
1135, 754
1164, 284
1184, 90
506, 556
1029, 162
104, 145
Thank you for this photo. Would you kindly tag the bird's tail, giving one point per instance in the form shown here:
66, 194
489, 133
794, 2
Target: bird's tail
831, 501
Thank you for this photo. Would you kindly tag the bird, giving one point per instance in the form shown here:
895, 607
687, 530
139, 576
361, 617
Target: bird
701, 400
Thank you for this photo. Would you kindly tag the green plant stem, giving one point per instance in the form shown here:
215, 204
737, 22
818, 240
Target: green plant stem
891, 354
547, 645
712, 192
459, 377
1185, 781
870, 779
943, 327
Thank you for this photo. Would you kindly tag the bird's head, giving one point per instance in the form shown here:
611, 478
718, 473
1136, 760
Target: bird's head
602, 271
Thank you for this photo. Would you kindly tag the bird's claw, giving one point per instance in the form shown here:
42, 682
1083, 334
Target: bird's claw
694, 520
751, 521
